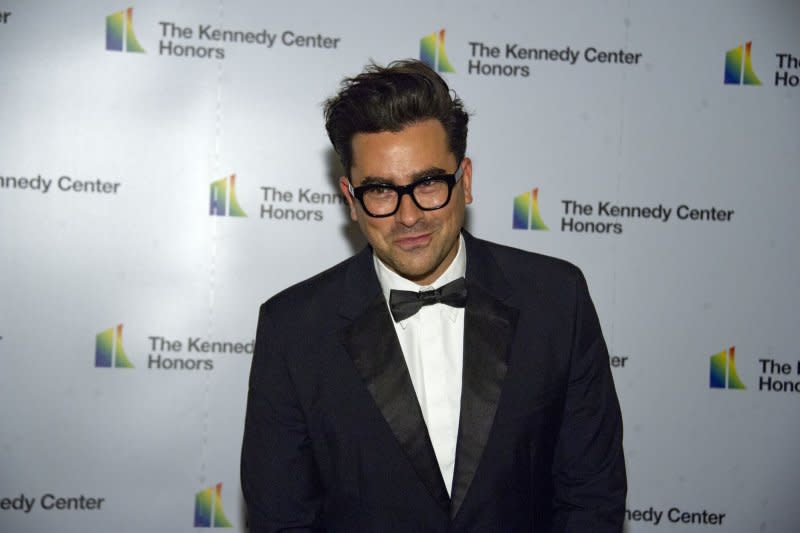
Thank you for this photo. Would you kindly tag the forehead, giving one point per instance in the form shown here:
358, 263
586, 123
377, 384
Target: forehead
391, 154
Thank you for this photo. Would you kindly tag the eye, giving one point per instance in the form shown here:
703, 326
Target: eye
433, 186
428, 182
379, 191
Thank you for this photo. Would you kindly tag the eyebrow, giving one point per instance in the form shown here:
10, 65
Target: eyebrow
428, 172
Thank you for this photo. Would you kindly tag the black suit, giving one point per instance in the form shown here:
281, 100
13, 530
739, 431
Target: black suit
335, 439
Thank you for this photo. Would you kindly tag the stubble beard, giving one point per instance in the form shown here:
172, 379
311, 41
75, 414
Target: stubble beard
420, 262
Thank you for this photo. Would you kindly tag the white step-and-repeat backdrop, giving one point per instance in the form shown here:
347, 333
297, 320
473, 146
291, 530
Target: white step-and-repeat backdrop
164, 169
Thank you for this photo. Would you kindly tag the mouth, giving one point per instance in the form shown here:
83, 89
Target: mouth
411, 242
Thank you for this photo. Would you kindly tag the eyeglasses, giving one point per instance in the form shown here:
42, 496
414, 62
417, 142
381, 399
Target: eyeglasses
429, 193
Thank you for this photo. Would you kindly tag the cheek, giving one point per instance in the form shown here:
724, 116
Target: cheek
375, 230
450, 219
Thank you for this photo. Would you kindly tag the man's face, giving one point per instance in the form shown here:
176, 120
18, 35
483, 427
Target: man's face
418, 245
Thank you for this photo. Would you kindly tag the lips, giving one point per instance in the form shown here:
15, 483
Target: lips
409, 242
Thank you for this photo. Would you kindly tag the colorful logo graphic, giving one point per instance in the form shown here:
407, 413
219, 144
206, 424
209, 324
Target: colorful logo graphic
108, 350
738, 68
723, 371
526, 211
223, 198
432, 53
208, 510
119, 32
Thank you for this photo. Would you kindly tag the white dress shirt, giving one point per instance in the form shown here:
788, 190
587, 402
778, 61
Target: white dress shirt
432, 341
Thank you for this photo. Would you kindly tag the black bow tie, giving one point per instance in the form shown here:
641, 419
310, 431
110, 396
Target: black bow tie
406, 303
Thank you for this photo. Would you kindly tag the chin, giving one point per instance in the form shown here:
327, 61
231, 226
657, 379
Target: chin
414, 272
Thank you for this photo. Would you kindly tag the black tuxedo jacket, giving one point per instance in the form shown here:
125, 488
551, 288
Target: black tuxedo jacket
334, 436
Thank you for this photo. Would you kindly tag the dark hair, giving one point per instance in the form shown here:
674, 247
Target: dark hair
389, 99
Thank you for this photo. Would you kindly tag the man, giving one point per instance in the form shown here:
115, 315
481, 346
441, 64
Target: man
480, 400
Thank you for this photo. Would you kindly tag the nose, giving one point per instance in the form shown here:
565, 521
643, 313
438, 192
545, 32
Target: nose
408, 213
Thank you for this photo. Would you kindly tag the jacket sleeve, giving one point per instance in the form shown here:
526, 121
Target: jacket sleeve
280, 481
589, 465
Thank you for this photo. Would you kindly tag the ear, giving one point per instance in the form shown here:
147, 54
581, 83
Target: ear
344, 186
466, 179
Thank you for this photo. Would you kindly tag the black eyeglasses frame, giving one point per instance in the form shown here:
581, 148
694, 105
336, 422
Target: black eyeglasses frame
401, 190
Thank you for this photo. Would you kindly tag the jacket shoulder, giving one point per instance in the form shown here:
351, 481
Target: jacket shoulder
526, 266
321, 290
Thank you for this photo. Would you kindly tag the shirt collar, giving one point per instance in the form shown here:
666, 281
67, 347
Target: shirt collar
390, 280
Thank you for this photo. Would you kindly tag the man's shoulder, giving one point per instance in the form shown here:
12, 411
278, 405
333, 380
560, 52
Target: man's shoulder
321, 289
518, 264
530, 280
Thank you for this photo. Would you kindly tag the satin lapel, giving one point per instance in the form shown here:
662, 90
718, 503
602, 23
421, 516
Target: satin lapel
489, 327
372, 343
